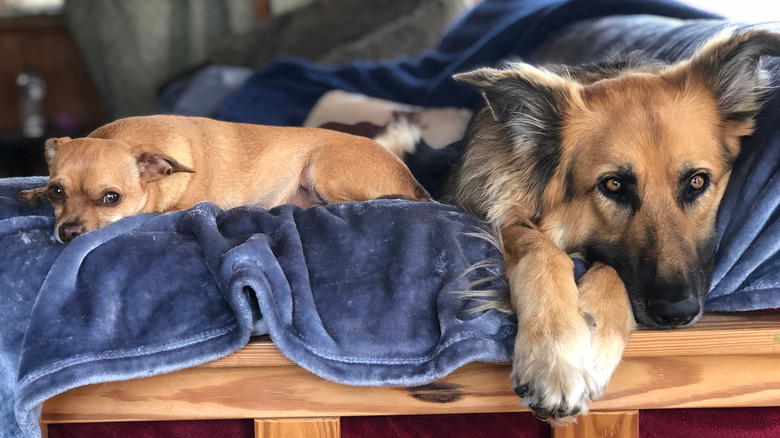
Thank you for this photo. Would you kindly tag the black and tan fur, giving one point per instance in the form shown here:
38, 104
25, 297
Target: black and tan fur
624, 163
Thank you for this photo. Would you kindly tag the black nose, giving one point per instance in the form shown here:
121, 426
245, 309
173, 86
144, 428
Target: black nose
70, 231
673, 313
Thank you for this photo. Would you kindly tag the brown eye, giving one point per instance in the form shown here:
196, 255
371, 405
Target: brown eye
698, 182
110, 198
620, 190
613, 185
695, 186
56, 193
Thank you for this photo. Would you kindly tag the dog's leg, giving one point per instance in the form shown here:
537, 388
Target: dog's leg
341, 174
33, 197
553, 360
603, 295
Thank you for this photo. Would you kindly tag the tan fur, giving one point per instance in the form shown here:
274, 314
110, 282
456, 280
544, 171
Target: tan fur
602, 293
651, 125
625, 163
229, 164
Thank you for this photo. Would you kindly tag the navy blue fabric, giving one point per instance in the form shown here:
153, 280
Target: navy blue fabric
284, 92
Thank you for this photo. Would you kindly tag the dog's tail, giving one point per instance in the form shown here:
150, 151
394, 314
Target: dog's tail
401, 135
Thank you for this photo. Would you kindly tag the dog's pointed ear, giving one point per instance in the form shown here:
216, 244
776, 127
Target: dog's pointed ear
51, 147
153, 164
526, 99
729, 64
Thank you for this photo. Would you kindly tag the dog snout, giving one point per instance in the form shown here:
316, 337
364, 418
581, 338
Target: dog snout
70, 231
672, 313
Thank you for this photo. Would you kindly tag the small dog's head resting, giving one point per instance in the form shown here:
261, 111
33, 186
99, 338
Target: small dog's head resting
94, 182
626, 161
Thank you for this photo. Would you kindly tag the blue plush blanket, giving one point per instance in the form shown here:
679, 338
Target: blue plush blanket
359, 293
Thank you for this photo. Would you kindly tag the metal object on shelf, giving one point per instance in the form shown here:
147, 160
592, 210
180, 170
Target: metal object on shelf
32, 92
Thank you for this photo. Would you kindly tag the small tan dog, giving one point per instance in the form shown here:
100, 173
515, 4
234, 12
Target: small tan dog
158, 164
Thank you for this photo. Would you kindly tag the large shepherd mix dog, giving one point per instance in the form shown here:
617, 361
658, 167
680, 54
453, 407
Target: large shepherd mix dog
623, 163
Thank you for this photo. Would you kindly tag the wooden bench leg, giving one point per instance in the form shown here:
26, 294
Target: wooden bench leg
297, 427
44, 429
617, 424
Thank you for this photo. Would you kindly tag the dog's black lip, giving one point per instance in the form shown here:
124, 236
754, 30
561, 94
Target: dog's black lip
648, 322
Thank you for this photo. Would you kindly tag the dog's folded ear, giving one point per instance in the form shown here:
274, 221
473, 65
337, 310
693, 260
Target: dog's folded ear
526, 99
154, 164
729, 64
52, 145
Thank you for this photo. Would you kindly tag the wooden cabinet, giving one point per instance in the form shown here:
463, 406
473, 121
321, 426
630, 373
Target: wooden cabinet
44, 44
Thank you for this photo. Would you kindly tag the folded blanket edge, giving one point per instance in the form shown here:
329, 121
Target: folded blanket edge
35, 391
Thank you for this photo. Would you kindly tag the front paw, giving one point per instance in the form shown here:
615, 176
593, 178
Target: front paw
553, 368
605, 362
607, 347
33, 197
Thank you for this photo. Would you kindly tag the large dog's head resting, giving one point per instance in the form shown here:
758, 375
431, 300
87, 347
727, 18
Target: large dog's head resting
625, 161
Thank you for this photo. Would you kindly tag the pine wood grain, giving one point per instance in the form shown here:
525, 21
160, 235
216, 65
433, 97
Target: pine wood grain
258, 382
620, 424
297, 428
290, 391
715, 334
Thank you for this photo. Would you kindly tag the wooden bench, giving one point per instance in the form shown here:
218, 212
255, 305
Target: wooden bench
724, 361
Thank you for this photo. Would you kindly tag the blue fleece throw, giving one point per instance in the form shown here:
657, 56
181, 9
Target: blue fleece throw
359, 293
